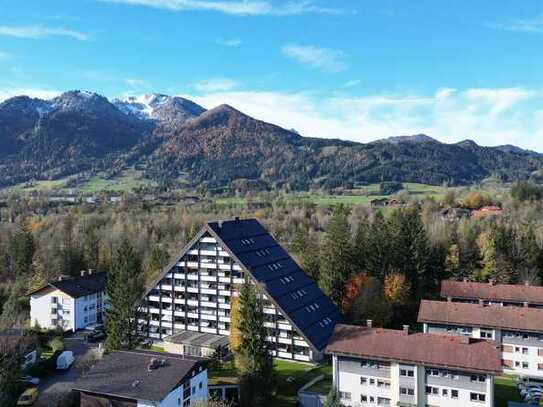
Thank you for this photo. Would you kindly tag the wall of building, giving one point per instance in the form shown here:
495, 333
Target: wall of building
360, 383
195, 296
41, 306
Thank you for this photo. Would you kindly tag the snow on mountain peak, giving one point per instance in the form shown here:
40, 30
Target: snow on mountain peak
143, 106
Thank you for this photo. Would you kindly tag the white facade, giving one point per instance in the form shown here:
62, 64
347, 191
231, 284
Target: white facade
366, 382
51, 308
522, 352
192, 390
195, 295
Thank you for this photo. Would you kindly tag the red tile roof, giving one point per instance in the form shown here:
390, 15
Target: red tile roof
487, 316
492, 292
441, 351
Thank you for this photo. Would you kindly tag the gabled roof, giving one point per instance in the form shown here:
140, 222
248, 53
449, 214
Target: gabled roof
296, 295
79, 286
431, 350
486, 316
125, 374
492, 292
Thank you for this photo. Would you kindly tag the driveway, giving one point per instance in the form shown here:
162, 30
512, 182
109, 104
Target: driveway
55, 386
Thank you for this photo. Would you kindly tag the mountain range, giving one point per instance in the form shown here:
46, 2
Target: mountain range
174, 141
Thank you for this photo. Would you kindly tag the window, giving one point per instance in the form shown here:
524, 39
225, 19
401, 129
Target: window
407, 391
344, 395
363, 380
486, 334
407, 373
477, 397
478, 378
525, 365
381, 401
454, 394
524, 351
445, 392
363, 398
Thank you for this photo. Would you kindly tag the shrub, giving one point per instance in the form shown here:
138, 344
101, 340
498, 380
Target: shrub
56, 345
390, 187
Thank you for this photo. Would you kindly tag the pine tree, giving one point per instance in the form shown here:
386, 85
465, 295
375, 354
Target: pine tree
360, 252
306, 245
254, 362
378, 248
22, 248
91, 251
10, 372
124, 289
332, 399
336, 256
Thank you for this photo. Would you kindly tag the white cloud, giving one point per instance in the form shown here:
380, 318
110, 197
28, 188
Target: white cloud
9, 92
488, 116
235, 7
531, 25
216, 85
230, 42
136, 83
40, 31
324, 59
350, 84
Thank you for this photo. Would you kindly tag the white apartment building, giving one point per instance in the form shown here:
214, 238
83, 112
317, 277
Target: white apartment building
143, 379
385, 367
518, 330
70, 303
195, 292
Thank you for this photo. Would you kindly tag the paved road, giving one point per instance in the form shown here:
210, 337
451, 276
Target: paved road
57, 385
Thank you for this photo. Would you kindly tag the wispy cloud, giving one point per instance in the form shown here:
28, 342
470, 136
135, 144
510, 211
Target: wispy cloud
350, 84
324, 59
216, 85
136, 83
41, 31
488, 116
230, 42
530, 25
236, 7
5, 55
42, 93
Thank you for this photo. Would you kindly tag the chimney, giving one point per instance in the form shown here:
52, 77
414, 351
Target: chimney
481, 302
406, 329
83, 272
527, 283
369, 323
525, 304
220, 224
449, 299
90, 271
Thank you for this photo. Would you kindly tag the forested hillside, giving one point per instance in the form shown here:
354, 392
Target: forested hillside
176, 143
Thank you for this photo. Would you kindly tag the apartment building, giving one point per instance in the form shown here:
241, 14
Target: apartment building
195, 292
518, 330
143, 379
385, 367
70, 303
491, 293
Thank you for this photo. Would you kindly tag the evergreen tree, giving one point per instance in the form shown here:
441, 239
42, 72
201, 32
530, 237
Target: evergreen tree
125, 288
22, 248
306, 245
91, 251
360, 252
336, 256
158, 259
378, 248
332, 399
10, 372
254, 362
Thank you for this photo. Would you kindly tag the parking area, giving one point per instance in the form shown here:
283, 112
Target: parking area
56, 386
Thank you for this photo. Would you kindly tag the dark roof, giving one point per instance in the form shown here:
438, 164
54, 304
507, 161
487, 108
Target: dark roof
198, 339
297, 296
486, 316
125, 374
79, 286
492, 292
431, 350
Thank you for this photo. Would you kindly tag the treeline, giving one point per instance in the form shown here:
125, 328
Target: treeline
373, 264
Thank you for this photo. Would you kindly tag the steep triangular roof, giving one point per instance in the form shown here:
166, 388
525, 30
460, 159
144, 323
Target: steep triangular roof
296, 295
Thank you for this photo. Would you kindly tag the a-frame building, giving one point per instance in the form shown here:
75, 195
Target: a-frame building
193, 294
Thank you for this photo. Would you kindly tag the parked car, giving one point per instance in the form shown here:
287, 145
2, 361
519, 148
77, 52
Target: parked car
95, 328
96, 336
28, 397
31, 380
65, 360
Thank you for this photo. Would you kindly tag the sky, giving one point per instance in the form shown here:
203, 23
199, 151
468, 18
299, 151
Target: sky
354, 69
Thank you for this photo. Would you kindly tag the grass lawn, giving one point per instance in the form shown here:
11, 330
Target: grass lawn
286, 395
505, 389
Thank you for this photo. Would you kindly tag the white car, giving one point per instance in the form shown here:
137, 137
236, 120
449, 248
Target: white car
65, 360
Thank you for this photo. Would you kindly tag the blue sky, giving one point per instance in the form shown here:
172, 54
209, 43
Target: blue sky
356, 70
